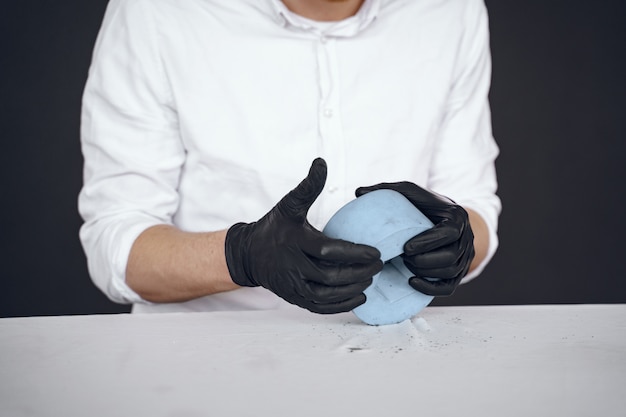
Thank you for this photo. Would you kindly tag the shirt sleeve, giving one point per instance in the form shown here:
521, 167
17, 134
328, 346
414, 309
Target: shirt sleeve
463, 165
132, 150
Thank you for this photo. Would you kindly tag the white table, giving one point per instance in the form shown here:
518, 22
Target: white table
449, 361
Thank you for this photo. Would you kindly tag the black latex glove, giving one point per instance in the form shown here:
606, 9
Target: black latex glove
445, 251
285, 254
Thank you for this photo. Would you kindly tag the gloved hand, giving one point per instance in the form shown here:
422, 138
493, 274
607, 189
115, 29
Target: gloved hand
285, 254
445, 251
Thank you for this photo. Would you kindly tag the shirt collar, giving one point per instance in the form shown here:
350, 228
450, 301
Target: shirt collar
343, 28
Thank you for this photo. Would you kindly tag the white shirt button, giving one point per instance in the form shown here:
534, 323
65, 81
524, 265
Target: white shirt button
323, 39
328, 113
333, 189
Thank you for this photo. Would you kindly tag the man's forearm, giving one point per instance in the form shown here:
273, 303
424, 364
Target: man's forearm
481, 238
169, 265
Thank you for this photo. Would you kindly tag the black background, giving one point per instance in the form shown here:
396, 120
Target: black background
558, 101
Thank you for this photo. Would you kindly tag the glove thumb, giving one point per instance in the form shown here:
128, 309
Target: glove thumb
298, 201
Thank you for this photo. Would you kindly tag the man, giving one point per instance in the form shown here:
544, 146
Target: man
199, 117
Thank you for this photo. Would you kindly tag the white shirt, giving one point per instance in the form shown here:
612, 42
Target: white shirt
204, 113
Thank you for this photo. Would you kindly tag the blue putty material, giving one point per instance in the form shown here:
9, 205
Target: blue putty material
386, 220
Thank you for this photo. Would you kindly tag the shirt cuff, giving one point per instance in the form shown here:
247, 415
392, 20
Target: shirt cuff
107, 244
118, 287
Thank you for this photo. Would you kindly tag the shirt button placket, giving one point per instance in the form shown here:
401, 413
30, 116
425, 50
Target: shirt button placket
331, 130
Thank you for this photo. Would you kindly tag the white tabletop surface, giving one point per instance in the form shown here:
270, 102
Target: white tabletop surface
448, 361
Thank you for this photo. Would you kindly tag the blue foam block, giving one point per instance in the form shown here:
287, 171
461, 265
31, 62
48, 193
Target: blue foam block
386, 220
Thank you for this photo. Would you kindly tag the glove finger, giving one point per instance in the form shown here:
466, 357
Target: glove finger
334, 275
446, 273
324, 294
332, 307
303, 268
364, 190
402, 187
440, 258
436, 266
337, 250
442, 234
298, 201
436, 288
413, 192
